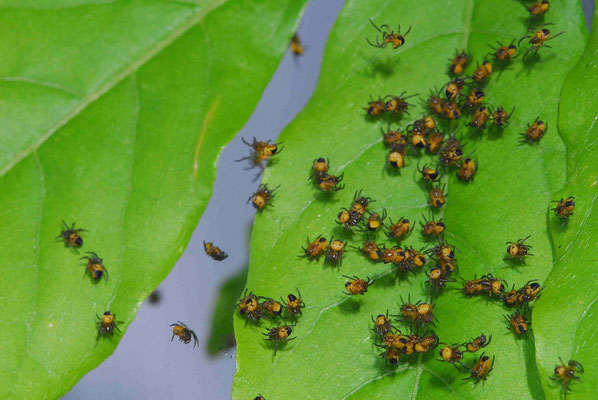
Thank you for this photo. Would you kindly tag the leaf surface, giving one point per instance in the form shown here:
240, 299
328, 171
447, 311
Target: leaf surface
113, 116
333, 355
565, 322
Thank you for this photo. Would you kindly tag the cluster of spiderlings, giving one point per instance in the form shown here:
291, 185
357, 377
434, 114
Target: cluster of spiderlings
446, 264
353, 216
94, 266
333, 252
260, 151
393, 105
254, 308
454, 354
322, 179
396, 344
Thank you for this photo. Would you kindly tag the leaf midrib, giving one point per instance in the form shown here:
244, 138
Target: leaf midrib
118, 77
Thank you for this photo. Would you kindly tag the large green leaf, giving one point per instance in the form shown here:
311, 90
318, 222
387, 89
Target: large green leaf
333, 355
565, 322
113, 116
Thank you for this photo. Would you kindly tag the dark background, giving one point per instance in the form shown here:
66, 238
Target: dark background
146, 365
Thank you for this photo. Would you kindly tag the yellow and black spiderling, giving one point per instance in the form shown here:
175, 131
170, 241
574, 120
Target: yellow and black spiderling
391, 355
294, 304
511, 298
426, 343
396, 159
505, 52
392, 139
319, 169
259, 397
519, 250
249, 307
436, 104
184, 333
437, 197
517, 323
535, 132
493, 286
95, 266
107, 324
459, 63
478, 343
271, 307
428, 174
334, 254
418, 140
435, 142
564, 207
475, 286
414, 260
371, 250
375, 221
262, 197
451, 152
71, 236
397, 104
296, 46
480, 118
481, 369
443, 251
395, 39
539, 8
566, 374
482, 73
348, 218
451, 110
438, 278
330, 183
382, 325
467, 170
500, 116
424, 125
356, 285
529, 292
260, 150
375, 108
279, 335
315, 249
452, 354
399, 230
214, 251
453, 89
425, 314
474, 99
432, 228
538, 38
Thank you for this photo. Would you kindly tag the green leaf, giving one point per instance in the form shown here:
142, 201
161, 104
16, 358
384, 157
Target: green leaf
564, 320
113, 116
222, 335
333, 355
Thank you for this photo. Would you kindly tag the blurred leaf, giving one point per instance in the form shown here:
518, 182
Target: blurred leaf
113, 116
222, 336
565, 322
333, 355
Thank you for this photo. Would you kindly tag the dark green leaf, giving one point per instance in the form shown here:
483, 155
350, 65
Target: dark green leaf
113, 116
